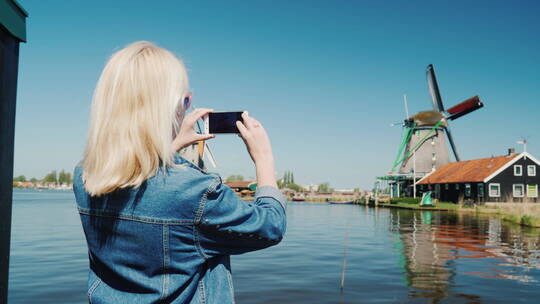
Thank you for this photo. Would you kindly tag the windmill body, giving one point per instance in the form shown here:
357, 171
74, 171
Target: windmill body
432, 151
424, 147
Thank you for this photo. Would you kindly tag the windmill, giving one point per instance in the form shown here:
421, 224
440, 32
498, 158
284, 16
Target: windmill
424, 147
196, 152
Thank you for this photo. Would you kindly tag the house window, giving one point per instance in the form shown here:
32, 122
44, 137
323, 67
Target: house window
495, 190
531, 170
457, 186
518, 190
468, 190
446, 186
532, 190
480, 190
437, 189
518, 170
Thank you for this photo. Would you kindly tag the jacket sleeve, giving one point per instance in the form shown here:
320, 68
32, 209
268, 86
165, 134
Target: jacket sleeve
228, 225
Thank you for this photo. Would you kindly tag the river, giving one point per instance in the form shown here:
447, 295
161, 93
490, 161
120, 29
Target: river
390, 256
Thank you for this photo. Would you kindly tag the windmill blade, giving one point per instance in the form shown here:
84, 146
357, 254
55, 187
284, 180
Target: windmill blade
434, 89
210, 156
466, 107
406, 106
206, 148
452, 144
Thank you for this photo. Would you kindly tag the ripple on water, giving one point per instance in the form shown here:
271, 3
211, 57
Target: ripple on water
392, 256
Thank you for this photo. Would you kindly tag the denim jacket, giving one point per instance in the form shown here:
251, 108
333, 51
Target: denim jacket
170, 240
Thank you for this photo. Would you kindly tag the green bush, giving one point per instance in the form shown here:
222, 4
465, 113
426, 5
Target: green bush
294, 187
530, 220
512, 218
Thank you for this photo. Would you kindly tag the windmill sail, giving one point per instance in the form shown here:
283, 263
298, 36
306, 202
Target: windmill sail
434, 89
466, 107
210, 156
452, 144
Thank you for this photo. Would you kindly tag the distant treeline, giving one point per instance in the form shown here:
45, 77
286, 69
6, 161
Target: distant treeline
52, 177
287, 181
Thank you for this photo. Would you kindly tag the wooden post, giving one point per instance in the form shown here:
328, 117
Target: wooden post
12, 32
414, 175
9, 53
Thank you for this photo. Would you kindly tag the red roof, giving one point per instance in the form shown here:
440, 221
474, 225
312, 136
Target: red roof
239, 184
468, 171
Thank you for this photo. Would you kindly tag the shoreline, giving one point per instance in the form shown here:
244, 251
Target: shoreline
524, 215
527, 215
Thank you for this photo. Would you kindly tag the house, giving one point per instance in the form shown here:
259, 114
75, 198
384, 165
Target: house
508, 178
244, 189
311, 188
240, 186
24, 184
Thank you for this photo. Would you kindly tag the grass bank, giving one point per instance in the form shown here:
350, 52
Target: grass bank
414, 204
525, 214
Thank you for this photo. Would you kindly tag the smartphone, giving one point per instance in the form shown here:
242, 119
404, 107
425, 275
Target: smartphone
222, 122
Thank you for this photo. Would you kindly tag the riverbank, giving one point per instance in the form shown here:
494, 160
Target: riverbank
42, 186
525, 214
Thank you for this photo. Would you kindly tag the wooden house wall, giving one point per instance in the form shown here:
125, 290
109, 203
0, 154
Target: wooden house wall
456, 195
507, 179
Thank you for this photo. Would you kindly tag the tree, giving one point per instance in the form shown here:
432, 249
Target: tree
324, 187
62, 177
280, 183
288, 177
20, 178
288, 182
295, 187
234, 178
34, 180
51, 177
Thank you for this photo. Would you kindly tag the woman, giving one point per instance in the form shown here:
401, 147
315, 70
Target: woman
159, 229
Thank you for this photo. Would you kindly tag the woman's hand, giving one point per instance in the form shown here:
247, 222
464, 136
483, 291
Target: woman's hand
259, 148
187, 134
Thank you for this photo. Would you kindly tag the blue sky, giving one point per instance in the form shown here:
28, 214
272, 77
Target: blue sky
326, 78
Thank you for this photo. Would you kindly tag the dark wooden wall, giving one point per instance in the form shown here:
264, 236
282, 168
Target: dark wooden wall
456, 195
9, 59
506, 178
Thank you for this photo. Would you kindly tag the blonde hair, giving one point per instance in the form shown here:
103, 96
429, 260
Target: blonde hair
134, 118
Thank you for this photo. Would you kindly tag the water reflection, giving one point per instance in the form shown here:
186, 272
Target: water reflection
393, 256
433, 245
